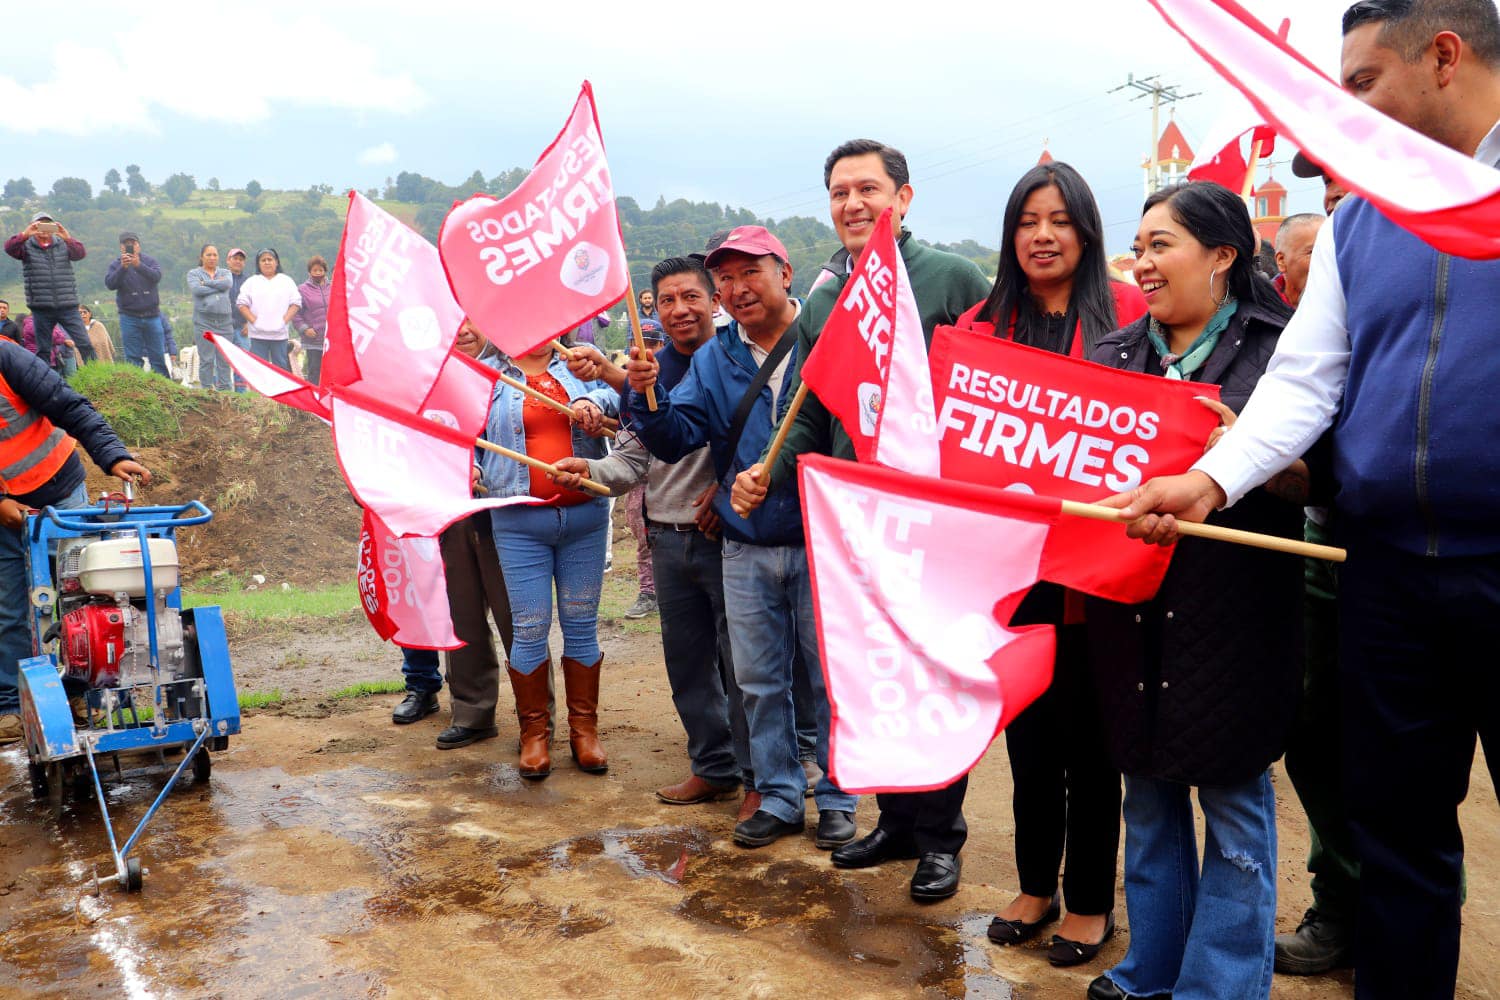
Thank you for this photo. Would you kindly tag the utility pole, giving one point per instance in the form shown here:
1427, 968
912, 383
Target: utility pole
1160, 93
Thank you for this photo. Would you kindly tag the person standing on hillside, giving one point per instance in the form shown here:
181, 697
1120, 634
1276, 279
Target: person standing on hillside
38, 413
134, 277
213, 310
311, 320
47, 251
9, 328
104, 348
268, 300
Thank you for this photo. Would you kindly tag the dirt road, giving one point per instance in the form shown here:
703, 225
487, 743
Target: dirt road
333, 854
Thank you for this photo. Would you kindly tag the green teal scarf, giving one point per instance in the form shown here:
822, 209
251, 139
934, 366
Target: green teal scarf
1181, 366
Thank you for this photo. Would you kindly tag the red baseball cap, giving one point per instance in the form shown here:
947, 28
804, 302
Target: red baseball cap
756, 241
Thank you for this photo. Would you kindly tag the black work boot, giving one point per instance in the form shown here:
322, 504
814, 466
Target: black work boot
1318, 945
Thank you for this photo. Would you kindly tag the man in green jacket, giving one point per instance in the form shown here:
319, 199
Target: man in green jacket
863, 178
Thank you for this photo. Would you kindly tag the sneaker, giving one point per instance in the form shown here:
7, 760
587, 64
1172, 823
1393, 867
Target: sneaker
645, 604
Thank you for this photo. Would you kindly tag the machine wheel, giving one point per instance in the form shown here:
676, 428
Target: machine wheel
203, 766
38, 775
132, 874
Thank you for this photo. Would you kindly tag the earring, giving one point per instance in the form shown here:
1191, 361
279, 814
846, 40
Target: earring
1218, 302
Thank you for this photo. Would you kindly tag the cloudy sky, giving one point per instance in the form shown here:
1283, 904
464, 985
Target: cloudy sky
731, 104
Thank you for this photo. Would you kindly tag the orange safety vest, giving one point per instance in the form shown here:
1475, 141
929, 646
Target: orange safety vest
32, 449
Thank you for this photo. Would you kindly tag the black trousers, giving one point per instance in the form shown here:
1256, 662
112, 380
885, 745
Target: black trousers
1067, 793
932, 821
1417, 640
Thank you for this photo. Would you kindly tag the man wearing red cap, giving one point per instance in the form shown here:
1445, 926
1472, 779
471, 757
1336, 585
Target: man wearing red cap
863, 178
733, 394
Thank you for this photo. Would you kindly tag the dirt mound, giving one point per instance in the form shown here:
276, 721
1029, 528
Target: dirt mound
269, 475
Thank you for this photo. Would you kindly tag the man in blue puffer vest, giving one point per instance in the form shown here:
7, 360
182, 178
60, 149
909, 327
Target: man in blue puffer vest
1393, 346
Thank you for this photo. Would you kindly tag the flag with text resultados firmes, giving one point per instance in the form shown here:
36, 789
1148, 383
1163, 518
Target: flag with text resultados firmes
402, 588
534, 264
913, 581
869, 366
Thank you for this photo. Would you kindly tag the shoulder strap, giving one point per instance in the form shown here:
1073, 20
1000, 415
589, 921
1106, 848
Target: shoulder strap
762, 376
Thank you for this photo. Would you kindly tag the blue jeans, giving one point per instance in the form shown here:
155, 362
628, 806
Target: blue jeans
768, 601
15, 628
542, 546
1195, 935
275, 352
70, 320
689, 581
419, 668
143, 339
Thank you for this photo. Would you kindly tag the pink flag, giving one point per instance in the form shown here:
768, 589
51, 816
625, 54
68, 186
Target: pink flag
1440, 195
391, 315
547, 256
869, 366
460, 398
268, 380
402, 589
414, 473
913, 580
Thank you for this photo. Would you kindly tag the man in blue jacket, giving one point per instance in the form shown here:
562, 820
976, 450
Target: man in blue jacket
133, 277
730, 399
1393, 347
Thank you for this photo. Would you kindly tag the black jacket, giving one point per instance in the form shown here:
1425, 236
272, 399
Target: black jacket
1200, 685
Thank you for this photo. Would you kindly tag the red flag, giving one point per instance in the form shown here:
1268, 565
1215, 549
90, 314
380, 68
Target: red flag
1445, 198
268, 380
913, 581
401, 588
547, 256
460, 398
869, 366
1071, 429
392, 318
1226, 165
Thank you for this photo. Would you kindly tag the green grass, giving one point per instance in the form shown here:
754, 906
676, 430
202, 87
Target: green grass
143, 408
275, 604
366, 688
261, 699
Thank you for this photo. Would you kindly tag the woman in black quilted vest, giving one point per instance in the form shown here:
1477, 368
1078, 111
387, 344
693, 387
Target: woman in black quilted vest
1200, 685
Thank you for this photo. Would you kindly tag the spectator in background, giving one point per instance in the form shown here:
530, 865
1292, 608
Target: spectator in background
311, 320
9, 329
236, 260
583, 333
47, 252
268, 300
104, 348
635, 508
134, 277
1294, 243
213, 312
646, 305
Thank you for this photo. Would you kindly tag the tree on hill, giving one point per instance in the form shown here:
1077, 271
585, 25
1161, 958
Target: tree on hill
18, 189
247, 202
253, 189
112, 180
213, 184
139, 187
71, 194
179, 188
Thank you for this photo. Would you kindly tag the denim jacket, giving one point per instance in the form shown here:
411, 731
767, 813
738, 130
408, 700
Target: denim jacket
505, 477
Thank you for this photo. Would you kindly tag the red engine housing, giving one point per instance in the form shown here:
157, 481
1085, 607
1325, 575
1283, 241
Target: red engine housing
93, 643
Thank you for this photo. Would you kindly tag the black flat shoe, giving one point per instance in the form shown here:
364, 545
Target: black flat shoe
461, 736
936, 877
1104, 988
876, 847
764, 828
835, 829
416, 705
1065, 952
1004, 931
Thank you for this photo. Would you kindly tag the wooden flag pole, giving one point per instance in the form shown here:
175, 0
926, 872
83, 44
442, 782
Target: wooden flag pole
1250, 172
640, 343
563, 349
781, 432
1294, 546
536, 463
548, 400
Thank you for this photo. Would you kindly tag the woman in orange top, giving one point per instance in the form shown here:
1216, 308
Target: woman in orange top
557, 541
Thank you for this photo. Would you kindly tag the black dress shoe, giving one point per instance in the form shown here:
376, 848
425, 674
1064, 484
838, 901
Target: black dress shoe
1065, 952
936, 877
763, 828
835, 829
1104, 988
875, 848
1003, 931
416, 705
461, 736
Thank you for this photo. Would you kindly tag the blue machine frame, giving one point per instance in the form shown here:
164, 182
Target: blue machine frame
53, 742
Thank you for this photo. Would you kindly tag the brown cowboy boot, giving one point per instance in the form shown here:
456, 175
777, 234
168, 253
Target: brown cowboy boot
582, 684
531, 708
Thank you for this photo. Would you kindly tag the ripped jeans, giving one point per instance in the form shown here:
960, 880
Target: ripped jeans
1199, 933
540, 546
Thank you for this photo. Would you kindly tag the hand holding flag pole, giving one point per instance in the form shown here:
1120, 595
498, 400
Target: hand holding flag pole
1219, 533
537, 463
545, 399
640, 342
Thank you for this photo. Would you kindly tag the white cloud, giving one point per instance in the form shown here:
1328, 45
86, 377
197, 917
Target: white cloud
377, 155
282, 61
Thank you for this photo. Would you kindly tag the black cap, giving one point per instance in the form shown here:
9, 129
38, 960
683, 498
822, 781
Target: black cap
128, 237
1304, 167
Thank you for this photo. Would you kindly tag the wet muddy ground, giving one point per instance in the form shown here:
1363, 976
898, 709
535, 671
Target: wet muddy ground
332, 854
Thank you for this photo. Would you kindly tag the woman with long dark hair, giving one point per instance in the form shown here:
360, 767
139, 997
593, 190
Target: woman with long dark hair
1053, 291
1200, 684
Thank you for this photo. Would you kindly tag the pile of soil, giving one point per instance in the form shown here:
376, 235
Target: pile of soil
268, 473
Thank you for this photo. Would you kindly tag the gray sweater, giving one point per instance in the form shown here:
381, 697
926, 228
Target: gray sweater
671, 487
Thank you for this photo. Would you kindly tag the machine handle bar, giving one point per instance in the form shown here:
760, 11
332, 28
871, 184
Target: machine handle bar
69, 523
